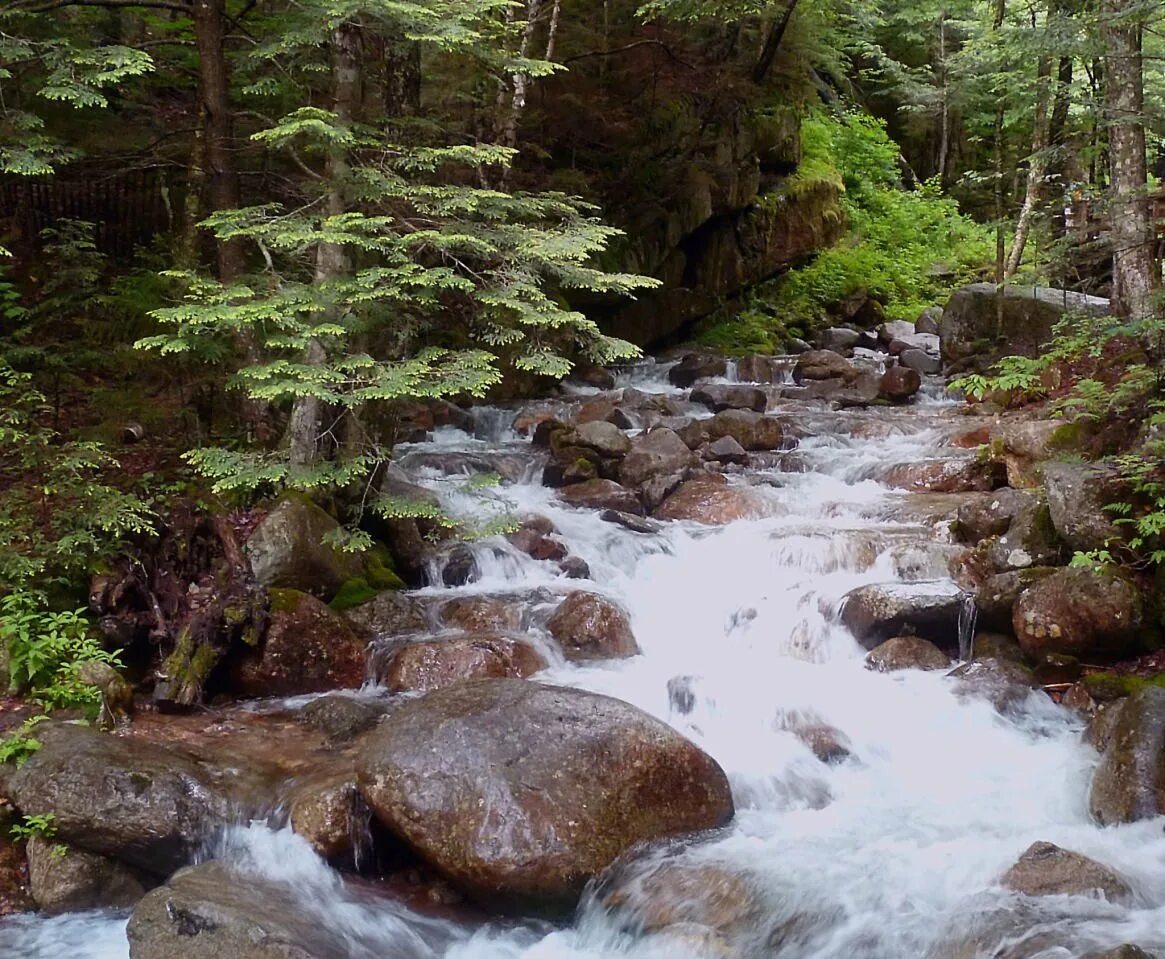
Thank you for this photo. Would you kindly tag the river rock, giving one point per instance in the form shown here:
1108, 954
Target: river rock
1027, 445
926, 342
754, 431
1005, 684
535, 538
589, 626
991, 515
928, 321
309, 648
434, 663
212, 912
143, 804
946, 476
879, 612
818, 365
342, 718
673, 893
711, 500
828, 743
388, 614
602, 494
657, 453
287, 549
1030, 539
695, 367
520, 793
1129, 783
766, 370
1047, 870
970, 323
481, 614
410, 538
906, 652
604, 438
997, 595
893, 330
1080, 611
731, 397
1077, 496
920, 361
63, 878
899, 383
327, 810
1127, 951
725, 450
838, 339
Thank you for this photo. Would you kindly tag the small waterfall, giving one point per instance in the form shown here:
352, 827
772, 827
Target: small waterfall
968, 615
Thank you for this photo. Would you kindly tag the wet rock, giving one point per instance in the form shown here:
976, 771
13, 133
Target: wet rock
711, 500
695, 367
658, 453
637, 524
1030, 539
481, 614
1027, 445
597, 409
720, 398
899, 383
1080, 612
309, 648
894, 330
920, 361
946, 476
460, 567
63, 878
529, 419
139, 803
925, 342
970, 323
991, 515
1129, 783
602, 494
604, 438
996, 597
1002, 682
588, 626
1077, 496
212, 912
435, 663
287, 549
1047, 870
988, 645
761, 369
1127, 951
535, 538
389, 614
596, 376
410, 538
342, 718
575, 567
327, 810
725, 450
880, 612
573, 780
751, 430
818, 365
672, 893
906, 652
827, 743
838, 339
928, 321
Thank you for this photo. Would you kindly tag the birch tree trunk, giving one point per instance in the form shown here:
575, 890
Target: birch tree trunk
1037, 165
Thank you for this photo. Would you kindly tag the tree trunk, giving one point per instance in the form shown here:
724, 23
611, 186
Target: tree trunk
520, 82
304, 440
1037, 165
1000, 239
1135, 271
768, 54
944, 146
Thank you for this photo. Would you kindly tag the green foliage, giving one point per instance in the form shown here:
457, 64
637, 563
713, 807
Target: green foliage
19, 745
43, 826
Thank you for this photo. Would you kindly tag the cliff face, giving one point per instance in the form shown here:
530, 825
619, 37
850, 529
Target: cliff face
689, 157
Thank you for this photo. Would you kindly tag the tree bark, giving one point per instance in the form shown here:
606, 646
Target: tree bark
1000, 239
1037, 165
1136, 275
304, 440
768, 54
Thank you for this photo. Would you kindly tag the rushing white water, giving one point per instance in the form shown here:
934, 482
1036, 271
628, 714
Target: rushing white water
896, 851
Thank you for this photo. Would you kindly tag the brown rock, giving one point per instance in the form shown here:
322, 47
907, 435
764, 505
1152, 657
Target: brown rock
63, 878
712, 501
695, 366
899, 383
727, 397
588, 626
1129, 783
880, 611
906, 652
820, 365
946, 476
657, 453
1047, 870
1079, 611
602, 494
308, 648
435, 663
520, 793
711, 896
327, 810
482, 614
389, 614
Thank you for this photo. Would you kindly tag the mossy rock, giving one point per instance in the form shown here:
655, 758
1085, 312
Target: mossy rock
1108, 687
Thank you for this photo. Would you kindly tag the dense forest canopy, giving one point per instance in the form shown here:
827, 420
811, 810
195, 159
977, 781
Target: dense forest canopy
271, 232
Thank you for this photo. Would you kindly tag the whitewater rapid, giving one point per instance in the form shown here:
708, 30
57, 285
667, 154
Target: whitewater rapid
895, 852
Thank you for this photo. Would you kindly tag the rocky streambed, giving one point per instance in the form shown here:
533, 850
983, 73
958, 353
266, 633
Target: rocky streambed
744, 659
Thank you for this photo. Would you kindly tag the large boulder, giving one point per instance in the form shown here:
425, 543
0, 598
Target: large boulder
213, 912
1080, 611
991, 515
963, 475
140, 803
589, 626
819, 365
481, 614
288, 549
899, 383
326, 809
388, 614
602, 494
695, 366
521, 793
1129, 783
1045, 869
1077, 497
711, 500
970, 323
1030, 539
309, 648
604, 438
433, 663
752, 430
881, 611
996, 596
63, 878
658, 453
906, 652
